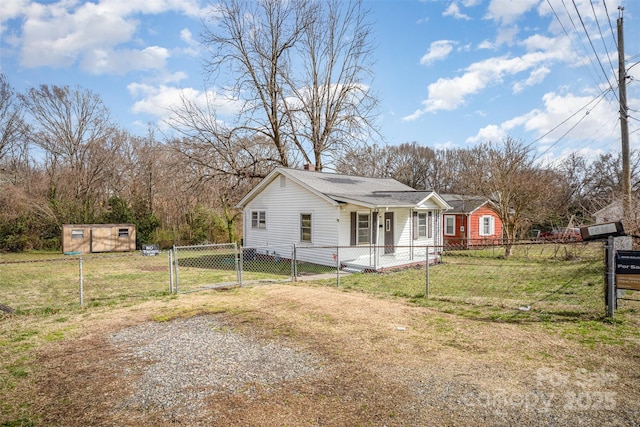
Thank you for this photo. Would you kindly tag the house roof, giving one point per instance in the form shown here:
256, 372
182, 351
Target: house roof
463, 204
363, 191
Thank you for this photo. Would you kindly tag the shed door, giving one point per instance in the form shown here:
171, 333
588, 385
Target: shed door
101, 239
389, 247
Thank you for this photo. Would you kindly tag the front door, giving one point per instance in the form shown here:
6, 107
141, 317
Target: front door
389, 244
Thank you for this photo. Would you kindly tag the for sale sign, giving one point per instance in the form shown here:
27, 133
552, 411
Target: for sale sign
628, 270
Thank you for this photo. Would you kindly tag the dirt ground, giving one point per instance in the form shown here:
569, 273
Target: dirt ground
386, 363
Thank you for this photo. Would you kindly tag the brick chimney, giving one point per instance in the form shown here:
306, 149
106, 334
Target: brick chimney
309, 167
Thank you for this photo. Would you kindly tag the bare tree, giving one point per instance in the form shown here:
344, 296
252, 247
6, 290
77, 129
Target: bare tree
507, 175
74, 129
12, 126
332, 107
218, 150
301, 69
412, 164
370, 160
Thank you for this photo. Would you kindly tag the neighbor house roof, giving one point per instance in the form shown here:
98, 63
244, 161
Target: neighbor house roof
363, 191
462, 204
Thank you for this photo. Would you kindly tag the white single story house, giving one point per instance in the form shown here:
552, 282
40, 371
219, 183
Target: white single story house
350, 221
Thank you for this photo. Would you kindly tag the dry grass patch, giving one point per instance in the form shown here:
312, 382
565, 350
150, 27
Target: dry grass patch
384, 362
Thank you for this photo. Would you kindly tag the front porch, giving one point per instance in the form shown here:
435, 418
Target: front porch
378, 258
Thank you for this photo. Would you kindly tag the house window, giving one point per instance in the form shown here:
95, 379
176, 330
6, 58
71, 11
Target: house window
123, 232
422, 225
449, 225
77, 234
487, 225
305, 228
259, 219
364, 229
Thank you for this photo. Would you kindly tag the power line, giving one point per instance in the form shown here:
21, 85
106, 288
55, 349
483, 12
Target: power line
597, 99
604, 44
613, 33
586, 53
592, 46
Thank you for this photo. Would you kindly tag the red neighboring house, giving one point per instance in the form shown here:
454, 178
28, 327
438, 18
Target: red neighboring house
471, 222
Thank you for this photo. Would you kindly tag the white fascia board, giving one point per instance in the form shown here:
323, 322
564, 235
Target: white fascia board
435, 198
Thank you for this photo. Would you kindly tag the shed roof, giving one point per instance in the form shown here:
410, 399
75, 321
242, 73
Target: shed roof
363, 191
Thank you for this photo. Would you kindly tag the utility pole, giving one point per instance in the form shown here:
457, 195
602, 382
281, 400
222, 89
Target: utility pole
624, 126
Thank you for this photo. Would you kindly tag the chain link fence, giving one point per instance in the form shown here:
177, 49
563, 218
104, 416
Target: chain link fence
56, 282
545, 277
552, 278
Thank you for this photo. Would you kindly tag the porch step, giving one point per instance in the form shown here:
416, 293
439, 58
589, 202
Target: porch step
352, 269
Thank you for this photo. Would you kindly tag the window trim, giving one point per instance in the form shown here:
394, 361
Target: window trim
368, 228
77, 233
453, 226
310, 227
491, 226
425, 226
259, 219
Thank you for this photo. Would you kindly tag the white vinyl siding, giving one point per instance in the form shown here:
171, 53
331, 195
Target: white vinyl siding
283, 207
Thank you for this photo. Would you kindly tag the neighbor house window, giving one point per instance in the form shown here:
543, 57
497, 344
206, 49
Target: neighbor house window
364, 229
259, 219
487, 225
123, 232
305, 228
77, 234
449, 225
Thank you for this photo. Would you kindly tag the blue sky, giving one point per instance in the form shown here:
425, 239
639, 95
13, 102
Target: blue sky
449, 73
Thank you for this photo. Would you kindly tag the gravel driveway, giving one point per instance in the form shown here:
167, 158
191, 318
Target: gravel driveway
311, 356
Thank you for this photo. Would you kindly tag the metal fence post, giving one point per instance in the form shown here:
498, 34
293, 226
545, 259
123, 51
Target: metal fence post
611, 277
81, 284
240, 264
170, 272
294, 263
177, 270
426, 292
338, 266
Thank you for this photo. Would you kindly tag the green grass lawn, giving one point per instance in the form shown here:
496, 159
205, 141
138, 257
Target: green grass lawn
554, 288
539, 282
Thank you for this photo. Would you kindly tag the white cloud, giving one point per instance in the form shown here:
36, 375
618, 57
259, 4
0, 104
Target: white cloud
535, 77
158, 101
122, 61
437, 51
10, 10
450, 93
564, 117
507, 12
66, 32
454, 11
